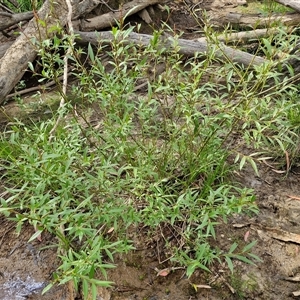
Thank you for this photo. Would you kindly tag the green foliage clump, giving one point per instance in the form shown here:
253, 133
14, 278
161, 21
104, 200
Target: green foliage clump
158, 158
23, 5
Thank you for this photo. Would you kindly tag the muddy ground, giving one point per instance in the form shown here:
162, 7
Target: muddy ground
26, 268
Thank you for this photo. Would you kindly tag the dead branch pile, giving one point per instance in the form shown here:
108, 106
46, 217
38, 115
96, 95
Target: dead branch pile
88, 16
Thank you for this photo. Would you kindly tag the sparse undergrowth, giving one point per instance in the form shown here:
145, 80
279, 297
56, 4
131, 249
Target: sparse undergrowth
157, 159
23, 5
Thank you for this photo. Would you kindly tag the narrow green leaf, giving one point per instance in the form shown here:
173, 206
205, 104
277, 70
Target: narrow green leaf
102, 283
254, 257
31, 67
229, 263
191, 269
233, 247
91, 53
47, 288
242, 162
92, 271
37, 234
249, 246
201, 266
4, 209
85, 289
244, 259
254, 166
236, 158
94, 291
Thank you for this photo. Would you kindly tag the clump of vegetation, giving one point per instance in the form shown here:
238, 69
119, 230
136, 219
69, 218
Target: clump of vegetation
266, 7
161, 158
271, 6
23, 5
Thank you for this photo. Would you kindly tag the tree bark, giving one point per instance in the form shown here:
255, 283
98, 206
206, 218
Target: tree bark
83, 7
15, 61
4, 47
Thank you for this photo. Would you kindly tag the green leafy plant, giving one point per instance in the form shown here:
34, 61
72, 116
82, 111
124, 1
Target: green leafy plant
23, 5
271, 6
160, 159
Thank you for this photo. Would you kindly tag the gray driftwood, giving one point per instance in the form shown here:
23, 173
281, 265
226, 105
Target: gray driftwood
4, 47
186, 47
254, 20
243, 36
15, 61
83, 7
7, 19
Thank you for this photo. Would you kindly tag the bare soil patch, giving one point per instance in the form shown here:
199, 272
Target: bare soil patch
26, 268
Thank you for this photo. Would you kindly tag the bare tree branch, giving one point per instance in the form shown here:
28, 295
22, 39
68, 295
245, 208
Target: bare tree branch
65, 76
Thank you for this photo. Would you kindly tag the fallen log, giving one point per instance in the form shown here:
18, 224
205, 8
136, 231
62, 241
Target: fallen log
15, 61
243, 36
254, 20
4, 47
186, 47
8, 19
82, 7
111, 18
